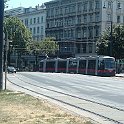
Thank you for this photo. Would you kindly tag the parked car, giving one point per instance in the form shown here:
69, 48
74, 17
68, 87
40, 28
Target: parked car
11, 69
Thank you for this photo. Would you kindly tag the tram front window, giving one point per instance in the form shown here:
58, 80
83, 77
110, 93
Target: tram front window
109, 64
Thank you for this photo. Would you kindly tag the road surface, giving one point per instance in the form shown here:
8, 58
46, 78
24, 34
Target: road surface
105, 90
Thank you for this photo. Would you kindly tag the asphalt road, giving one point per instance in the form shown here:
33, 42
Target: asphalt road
107, 90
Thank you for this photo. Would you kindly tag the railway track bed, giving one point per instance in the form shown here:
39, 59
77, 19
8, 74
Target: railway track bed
109, 114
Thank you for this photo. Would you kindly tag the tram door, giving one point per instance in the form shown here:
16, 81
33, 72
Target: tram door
72, 66
82, 67
50, 66
62, 65
91, 67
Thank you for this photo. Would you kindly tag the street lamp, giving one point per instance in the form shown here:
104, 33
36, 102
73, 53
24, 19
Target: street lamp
110, 2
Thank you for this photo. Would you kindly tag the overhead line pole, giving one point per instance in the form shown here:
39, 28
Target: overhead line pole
1, 42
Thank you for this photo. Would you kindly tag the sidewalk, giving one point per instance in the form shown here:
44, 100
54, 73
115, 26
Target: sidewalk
120, 75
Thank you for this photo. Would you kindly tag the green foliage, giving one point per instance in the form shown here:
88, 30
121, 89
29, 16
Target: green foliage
46, 47
17, 33
5, 3
104, 42
49, 46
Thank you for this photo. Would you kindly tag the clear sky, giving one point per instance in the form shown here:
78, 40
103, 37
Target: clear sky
25, 3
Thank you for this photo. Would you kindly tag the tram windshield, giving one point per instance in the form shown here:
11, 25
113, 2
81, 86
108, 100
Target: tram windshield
109, 63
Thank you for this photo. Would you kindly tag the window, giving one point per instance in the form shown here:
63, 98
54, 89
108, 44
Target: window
79, 19
38, 30
118, 5
90, 48
97, 17
91, 17
109, 4
31, 30
109, 17
66, 10
70, 21
41, 30
48, 13
56, 11
34, 30
26, 22
97, 4
84, 47
90, 32
97, 31
90, 5
79, 33
61, 11
85, 18
30, 21
52, 12
34, 20
38, 20
42, 19
85, 6
73, 8
84, 33
79, 7
69, 33
118, 19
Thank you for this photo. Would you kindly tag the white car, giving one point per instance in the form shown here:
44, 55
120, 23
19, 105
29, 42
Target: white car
11, 69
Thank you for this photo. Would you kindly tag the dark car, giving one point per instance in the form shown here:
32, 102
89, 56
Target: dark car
11, 69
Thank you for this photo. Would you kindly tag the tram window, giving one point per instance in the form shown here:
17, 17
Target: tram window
91, 64
50, 64
41, 64
101, 65
82, 64
62, 64
72, 64
109, 63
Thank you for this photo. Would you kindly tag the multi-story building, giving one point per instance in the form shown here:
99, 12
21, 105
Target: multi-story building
14, 11
35, 20
77, 24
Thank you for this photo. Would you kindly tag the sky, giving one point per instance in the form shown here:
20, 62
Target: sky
24, 3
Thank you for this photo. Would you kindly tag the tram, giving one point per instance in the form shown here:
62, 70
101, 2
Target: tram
92, 65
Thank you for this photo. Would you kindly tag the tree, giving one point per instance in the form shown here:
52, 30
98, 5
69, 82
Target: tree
49, 46
20, 36
5, 3
104, 42
46, 47
17, 33
42, 48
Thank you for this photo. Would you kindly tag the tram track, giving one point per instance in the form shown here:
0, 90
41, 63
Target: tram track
76, 102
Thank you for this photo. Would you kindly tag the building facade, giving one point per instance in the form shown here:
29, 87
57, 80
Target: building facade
35, 20
14, 11
77, 24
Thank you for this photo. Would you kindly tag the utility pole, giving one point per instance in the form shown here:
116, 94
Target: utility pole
1, 42
6, 53
111, 40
